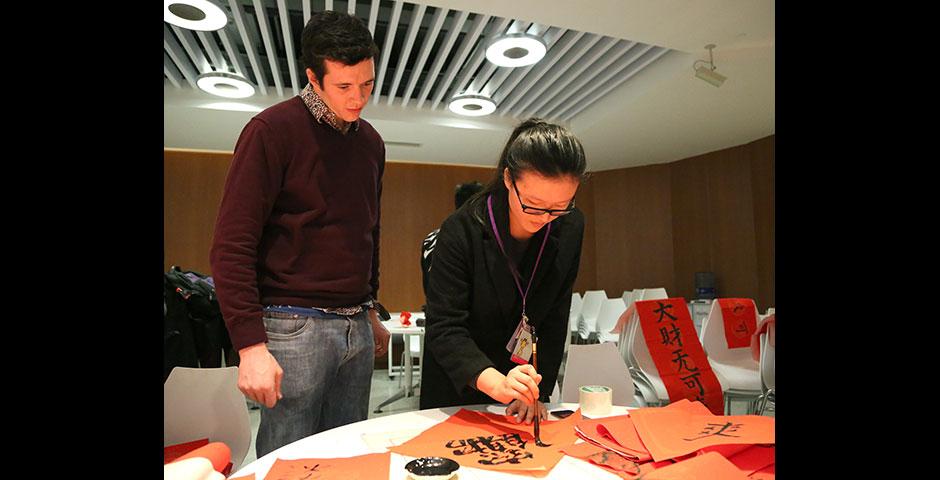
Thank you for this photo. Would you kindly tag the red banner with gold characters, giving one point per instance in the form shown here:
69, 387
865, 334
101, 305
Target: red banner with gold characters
740, 318
678, 354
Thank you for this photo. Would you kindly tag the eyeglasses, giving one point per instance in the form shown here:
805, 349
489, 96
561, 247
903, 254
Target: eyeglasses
541, 211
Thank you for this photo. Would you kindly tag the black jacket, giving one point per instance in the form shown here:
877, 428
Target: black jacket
474, 306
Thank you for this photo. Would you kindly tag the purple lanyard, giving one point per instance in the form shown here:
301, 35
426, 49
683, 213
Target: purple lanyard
512, 268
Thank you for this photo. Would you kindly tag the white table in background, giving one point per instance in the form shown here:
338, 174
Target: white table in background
375, 435
394, 326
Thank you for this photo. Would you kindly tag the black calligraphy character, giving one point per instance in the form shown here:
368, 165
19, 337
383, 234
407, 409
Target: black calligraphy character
683, 363
662, 311
312, 469
692, 381
492, 450
742, 330
707, 431
465, 447
675, 337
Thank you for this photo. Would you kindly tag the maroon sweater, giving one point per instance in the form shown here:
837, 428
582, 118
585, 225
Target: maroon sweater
299, 219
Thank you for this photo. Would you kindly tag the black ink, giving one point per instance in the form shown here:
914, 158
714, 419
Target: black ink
668, 339
662, 311
683, 363
731, 427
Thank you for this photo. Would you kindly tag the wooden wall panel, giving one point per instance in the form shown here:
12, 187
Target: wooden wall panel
192, 191
762, 182
416, 198
731, 219
720, 212
646, 226
633, 229
587, 271
691, 229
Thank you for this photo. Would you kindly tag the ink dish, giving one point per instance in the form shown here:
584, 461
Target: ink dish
432, 468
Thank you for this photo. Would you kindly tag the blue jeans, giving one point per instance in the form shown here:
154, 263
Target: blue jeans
327, 361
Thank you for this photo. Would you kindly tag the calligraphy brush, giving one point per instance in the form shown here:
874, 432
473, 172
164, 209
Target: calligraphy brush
535, 365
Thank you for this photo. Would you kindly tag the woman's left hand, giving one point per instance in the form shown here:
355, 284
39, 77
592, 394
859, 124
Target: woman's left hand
524, 411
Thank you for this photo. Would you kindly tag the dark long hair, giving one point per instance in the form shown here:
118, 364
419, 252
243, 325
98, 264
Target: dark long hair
536, 145
338, 37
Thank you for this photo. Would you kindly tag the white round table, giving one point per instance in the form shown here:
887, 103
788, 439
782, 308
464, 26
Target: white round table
375, 435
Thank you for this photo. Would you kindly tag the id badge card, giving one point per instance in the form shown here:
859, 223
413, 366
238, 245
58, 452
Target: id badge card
520, 344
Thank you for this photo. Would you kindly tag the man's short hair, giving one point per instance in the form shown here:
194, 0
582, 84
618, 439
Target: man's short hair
336, 36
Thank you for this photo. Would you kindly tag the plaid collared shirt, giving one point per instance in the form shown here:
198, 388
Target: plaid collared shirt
322, 112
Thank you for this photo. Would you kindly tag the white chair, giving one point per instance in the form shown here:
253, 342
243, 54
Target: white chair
768, 374
653, 294
597, 364
574, 312
645, 372
735, 368
590, 307
206, 403
555, 397
607, 317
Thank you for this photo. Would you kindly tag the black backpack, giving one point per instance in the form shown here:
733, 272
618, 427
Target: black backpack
194, 334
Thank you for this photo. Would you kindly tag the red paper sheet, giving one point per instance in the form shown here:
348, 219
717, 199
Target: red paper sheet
702, 467
623, 319
603, 458
740, 318
670, 433
493, 442
596, 432
755, 338
362, 467
754, 458
172, 452
216, 452
678, 354
766, 473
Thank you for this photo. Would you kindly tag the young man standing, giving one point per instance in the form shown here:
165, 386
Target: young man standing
295, 255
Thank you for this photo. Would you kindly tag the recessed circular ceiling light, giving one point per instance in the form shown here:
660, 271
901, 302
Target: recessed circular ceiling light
472, 105
225, 85
516, 50
194, 14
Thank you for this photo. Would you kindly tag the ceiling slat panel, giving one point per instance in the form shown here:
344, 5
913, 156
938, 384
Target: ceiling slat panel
195, 53
233, 56
620, 77
387, 50
289, 44
250, 48
483, 77
452, 34
602, 74
595, 69
262, 17
579, 69
552, 35
212, 49
413, 26
373, 15
171, 72
570, 39
589, 58
563, 65
178, 55
429, 39
476, 58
